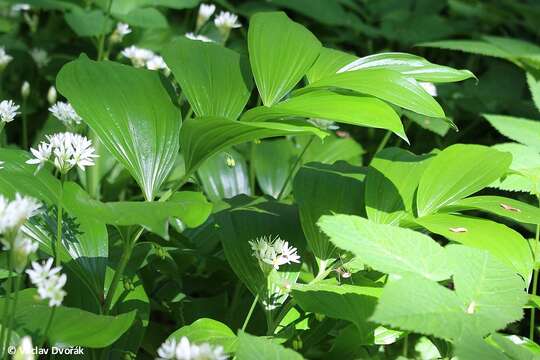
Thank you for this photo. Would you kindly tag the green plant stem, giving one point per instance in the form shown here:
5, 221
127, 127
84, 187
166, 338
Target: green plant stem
24, 125
246, 321
189, 114
101, 40
293, 168
252, 167
2, 125
535, 277
124, 259
269, 323
59, 215
384, 141
13, 308
92, 172
48, 326
5, 311
405, 345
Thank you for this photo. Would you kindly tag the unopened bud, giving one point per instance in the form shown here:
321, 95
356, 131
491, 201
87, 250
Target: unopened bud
25, 89
51, 95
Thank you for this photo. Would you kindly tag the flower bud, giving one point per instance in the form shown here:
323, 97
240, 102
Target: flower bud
25, 349
25, 89
51, 95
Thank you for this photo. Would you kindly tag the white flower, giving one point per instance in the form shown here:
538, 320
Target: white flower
8, 110
184, 350
51, 95
49, 281
226, 21
25, 349
275, 252
25, 89
67, 149
4, 58
205, 12
202, 38
122, 29
13, 214
22, 248
167, 350
138, 56
40, 56
1, 165
430, 88
156, 63
65, 113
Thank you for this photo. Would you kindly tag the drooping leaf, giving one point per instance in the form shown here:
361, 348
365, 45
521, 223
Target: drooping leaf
331, 149
341, 301
456, 172
214, 79
17, 176
149, 18
505, 244
273, 161
501, 206
322, 190
534, 87
259, 348
88, 22
224, 175
329, 105
280, 51
208, 331
190, 207
411, 65
388, 85
391, 183
99, 331
386, 248
524, 131
132, 114
203, 137
328, 63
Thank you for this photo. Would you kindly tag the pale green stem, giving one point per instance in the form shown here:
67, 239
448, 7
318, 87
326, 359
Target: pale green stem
246, 321
384, 141
535, 277
24, 125
13, 308
48, 326
5, 311
293, 168
59, 215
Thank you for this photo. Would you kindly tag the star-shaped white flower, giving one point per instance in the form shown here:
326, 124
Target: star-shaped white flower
8, 110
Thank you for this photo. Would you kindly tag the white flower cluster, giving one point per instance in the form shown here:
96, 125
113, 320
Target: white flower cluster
205, 12
119, 32
145, 58
40, 56
275, 252
13, 214
49, 282
67, 149
184, 350
64, 112
226, 21
5, 58
202, 38
8, 111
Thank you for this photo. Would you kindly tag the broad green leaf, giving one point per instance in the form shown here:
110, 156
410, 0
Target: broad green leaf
88, 22
331, 149
326, 12
501, 206
273, 160
329, 105
259, 348
391, 184
247, 222
149, 18
524, 131
321, 189
328, 63
417, 304
502, 242
214, 79
203, 137
341, 301
517, 347
470, 46
388, 85
224, 175
190, 207
437, 125
490, 290
534, 87
17, 176
281, 51
411, 65
98, 331
132, 114
524, 172
456, 172
473, 347
125, 6
386, 248
208, 331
